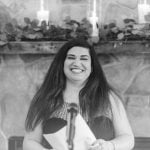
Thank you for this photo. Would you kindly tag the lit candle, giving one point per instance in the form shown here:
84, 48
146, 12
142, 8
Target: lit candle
94, 20
43, 14
143, 9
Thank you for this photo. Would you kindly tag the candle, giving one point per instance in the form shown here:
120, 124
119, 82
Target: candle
94, 20
143, 9
43, 14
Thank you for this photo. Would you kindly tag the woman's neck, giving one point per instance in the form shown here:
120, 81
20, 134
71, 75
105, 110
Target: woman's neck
71, 93
75, 84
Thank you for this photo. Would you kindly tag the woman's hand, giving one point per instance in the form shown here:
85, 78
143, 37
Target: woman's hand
101, 144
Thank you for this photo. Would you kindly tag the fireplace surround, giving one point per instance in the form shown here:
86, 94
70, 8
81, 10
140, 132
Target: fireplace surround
24, 64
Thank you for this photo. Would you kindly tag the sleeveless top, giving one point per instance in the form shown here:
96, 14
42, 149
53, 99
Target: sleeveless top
101, 126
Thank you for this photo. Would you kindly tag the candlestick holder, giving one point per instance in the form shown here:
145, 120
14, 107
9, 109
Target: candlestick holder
93, 17
143, 10
43, 15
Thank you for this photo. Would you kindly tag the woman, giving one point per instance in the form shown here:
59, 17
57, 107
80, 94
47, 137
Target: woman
75, 76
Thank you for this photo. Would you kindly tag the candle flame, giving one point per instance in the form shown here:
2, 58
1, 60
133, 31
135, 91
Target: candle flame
94, 6
42, 5
145, 1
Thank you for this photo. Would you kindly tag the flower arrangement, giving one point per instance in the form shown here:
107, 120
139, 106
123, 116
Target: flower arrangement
32, 31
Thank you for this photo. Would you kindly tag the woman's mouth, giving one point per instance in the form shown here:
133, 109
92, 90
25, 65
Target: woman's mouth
77, 70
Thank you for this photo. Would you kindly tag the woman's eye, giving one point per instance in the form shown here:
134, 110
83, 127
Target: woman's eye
70, 57
84, 58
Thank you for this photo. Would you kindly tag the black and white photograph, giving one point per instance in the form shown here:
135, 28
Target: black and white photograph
74, 74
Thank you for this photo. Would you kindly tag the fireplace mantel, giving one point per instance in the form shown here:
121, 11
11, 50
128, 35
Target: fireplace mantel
51, 47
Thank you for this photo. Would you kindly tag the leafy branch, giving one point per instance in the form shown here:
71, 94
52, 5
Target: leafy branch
32, 31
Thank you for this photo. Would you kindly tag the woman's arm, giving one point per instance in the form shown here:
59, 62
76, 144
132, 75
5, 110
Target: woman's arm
32, 140
124, 138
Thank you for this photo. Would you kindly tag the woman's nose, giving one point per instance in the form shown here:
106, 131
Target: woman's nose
77, 62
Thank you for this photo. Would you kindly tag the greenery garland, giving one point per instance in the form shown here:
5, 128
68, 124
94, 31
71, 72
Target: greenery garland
32, 31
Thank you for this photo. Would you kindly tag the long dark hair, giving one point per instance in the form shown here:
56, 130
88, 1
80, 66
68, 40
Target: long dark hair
93, 96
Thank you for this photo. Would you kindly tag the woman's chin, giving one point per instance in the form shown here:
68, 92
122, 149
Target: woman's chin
78, 81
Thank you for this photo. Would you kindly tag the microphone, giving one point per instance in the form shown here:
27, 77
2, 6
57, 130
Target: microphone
70, 131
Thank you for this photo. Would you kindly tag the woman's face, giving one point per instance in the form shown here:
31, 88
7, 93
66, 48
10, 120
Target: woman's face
77, 65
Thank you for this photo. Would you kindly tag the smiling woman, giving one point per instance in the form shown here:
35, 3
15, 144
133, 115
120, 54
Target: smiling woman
77, 65
76, 76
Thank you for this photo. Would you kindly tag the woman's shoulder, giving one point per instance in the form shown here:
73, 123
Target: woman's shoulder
115, 99
116, 102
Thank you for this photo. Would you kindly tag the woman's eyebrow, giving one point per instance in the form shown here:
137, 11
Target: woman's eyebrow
70, 55
73, 55
84, 55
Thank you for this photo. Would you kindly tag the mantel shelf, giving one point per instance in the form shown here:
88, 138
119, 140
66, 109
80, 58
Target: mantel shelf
51, 47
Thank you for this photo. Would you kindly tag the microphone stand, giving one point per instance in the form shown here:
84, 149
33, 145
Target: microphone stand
72, 113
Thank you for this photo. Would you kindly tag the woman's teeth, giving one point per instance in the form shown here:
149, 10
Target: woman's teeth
76, 70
